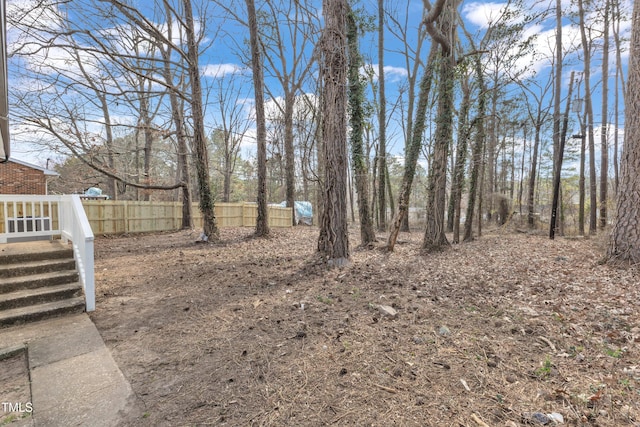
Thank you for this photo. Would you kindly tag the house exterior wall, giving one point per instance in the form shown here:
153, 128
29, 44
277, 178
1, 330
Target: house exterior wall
16, 178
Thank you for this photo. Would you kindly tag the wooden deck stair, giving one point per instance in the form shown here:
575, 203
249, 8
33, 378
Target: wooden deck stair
37, 280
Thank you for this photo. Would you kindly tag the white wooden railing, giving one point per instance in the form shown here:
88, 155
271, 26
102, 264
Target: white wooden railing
34, 217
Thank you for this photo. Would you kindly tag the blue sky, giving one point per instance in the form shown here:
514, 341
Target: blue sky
224, 36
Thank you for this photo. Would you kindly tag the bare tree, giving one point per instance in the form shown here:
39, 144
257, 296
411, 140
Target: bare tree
413, 150
586, 50
382, 123
287, 54
604, 132
231, 126
356, 100
262, 222
209, 225
411, 51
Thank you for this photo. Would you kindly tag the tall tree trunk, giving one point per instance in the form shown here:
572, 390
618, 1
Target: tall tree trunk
413, 150
262, 221
382, 123
290, 164
457, 184
533, 173
624, 242
616, 18
178, 123
477, 155
521, 184
356, 99
604, 133
589, 122
581, 182
557, 98
557, 175
491, 148
333, 241
210, 228
392, 206
145, 119
434, 235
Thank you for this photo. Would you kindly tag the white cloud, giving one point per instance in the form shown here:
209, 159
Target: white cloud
483, 14
391, 74
218, 71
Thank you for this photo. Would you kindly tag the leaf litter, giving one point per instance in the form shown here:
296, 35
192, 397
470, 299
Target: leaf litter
508, 330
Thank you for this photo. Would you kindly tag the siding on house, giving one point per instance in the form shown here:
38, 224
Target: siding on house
18, 177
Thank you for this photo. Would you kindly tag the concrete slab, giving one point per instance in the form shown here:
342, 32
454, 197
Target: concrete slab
86, 390
74, 379
58, 326
81, 339
19, 248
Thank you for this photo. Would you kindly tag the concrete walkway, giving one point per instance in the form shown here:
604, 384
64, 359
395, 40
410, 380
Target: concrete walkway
74, 379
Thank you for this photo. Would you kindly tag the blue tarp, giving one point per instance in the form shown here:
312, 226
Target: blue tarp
93, 191
303, 212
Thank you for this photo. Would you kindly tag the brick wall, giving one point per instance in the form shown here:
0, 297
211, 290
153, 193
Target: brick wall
16, 178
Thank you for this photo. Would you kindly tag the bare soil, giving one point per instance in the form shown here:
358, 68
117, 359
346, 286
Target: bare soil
503, 331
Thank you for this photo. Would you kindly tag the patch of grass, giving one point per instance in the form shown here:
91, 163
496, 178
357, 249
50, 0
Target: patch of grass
574, 351
355, 293
545, 370
615, 353
325, 300
11, 418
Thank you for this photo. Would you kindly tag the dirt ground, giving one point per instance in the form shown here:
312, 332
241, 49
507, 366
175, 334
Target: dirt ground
512, 329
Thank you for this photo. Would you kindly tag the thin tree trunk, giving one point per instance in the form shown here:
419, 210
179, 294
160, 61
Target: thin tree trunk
262, 221
382, 123
290, 164
616, 37
457, 186
558, 146
604, 132
181, 140
581, 182
477, 156
392, 206
521, 184
491, 151
589, 122
413, 150
210, 228
356, 99
557, 175
533, 173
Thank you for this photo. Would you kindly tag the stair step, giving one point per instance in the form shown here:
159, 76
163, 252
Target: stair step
27, 297
37, 267
33, 281
15, 253
41, 311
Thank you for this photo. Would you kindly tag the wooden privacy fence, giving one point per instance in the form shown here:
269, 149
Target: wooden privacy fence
116, 217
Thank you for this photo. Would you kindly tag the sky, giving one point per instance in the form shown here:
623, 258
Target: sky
225, 38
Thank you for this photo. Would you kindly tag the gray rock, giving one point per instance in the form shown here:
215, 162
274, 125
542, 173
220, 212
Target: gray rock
556, 417
388, 311
444, 331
